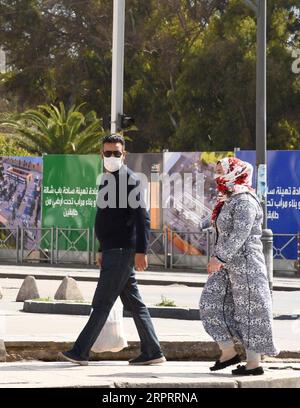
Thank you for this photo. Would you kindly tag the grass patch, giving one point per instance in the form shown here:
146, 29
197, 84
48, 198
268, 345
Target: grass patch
47, 299
51, 300
166, 302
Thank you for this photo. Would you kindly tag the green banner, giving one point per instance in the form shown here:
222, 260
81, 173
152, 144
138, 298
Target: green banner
70, 187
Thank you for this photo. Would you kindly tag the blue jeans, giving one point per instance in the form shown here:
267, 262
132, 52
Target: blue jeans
117, 278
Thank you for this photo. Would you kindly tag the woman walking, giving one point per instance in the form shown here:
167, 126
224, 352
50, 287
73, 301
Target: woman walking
236, 300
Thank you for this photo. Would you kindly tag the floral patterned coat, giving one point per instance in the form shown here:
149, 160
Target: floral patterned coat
236, 301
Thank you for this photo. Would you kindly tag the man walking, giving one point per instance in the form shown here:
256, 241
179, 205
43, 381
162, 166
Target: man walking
123, 233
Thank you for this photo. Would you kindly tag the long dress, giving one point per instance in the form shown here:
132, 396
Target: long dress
236, 301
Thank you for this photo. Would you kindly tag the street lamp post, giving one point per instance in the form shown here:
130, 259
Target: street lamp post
260, 9
117, 65
261, 105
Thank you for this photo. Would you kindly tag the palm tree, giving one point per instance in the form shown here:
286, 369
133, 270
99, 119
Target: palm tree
53, 130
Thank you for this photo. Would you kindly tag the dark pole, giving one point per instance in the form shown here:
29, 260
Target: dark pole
261, 106
261, 133
260, 9
117, 65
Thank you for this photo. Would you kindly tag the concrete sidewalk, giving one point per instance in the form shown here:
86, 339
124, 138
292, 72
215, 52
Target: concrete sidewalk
41, 336
36, 336
118, 374
191, 279
185, 339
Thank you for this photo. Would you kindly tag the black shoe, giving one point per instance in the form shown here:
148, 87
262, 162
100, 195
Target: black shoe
242, 370
220, 365
143, 360
68, 356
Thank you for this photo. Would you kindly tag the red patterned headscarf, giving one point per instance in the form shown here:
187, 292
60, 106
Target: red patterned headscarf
237, 178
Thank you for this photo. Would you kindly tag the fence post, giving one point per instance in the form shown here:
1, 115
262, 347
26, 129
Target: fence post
93, 247
165, 237
22, 244
52, 245
17, 243
208, 240
171, 250
88, 246
56, 244
267, 241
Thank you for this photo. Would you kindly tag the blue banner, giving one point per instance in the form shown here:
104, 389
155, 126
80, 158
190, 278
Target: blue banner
283, 203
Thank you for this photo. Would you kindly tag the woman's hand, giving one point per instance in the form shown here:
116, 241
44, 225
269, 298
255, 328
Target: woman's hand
214, 265
141, 262
99, 259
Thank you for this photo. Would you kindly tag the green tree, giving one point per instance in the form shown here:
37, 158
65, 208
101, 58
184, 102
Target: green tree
154, 64
189, 67
57, 51
70, 44
53, 130
220, 112
10, 147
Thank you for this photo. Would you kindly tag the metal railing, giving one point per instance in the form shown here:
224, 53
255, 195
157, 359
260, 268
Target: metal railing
158, 248
72, 245
193, 248
167, 248
45, 245
36, 245
290, 243
9, 239
278, 251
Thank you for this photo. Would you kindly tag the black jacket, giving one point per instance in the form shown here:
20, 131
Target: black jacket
118, 227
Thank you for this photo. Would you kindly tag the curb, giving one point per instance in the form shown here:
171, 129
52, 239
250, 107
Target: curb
16, 275
141, 281
287, 317
57, 307
291, 382
48, 350
173, 350
74, 308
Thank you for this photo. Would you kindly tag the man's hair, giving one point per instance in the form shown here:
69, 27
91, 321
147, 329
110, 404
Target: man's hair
114, 139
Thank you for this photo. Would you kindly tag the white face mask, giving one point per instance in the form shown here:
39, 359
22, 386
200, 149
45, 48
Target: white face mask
113, 164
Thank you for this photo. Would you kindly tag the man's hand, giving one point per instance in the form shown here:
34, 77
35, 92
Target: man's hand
214, 265
99, 259
141, 262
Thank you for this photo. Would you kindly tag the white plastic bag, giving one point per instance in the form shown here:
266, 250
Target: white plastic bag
112, 336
